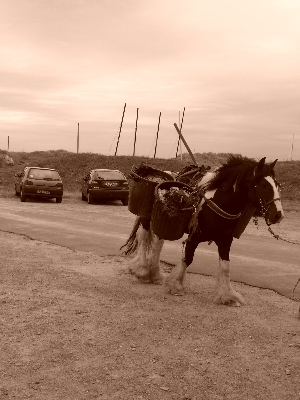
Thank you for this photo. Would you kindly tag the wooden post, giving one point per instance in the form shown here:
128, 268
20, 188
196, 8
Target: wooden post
157, 134
7, 143
120, 130
137, 116
180, 131
291, 156
186, 145
78, 139
178, 136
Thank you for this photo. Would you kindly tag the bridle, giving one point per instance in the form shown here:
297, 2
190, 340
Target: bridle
265, 205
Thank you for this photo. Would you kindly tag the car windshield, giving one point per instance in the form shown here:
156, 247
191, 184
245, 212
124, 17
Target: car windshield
46, 174
108, 175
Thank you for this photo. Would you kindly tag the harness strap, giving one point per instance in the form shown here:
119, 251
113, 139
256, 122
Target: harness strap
217, 209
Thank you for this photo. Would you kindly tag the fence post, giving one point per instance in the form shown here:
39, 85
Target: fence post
137, 117
120, 130
157, 135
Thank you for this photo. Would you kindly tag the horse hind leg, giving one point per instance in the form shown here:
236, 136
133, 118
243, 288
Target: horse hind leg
225, 294
155, 275
138, 265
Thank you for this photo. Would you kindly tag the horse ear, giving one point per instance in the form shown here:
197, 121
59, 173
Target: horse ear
272, 165
261, 164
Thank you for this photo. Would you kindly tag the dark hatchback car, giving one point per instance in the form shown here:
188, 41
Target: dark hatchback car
105, 184
39, 182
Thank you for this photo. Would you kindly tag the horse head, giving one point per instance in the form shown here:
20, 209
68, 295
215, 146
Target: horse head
264, 193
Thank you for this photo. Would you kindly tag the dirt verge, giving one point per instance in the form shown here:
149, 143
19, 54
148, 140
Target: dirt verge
77, 326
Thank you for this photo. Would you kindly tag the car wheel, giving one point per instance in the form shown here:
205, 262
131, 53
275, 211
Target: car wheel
58, 199
22, 196
89, 198
83, 196
125, 202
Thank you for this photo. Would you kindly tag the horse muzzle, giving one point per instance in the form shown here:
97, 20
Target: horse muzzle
273, 214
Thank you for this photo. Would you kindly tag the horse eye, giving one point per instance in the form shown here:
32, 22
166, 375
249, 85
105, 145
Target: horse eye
277, 183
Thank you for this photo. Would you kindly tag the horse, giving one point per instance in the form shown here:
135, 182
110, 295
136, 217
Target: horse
224, 193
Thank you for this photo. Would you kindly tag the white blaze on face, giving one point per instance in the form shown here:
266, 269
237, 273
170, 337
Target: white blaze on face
276, 193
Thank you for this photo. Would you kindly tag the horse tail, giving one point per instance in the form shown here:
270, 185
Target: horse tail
131, 244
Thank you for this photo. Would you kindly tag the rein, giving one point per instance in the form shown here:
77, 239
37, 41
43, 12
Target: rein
277, 237
217, 209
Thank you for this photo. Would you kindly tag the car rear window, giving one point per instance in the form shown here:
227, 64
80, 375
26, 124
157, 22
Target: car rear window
108, 175
47, 174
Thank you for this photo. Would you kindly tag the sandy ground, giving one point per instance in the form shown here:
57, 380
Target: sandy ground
78, 326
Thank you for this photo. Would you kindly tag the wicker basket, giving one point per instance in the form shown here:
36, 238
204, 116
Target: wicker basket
141, 188
244, 220
166, 225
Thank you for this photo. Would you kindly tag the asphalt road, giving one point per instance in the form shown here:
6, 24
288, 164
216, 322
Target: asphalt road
260, 261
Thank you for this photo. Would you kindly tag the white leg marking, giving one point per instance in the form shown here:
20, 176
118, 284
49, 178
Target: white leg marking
225, 294
155, 274
175, 281
138, 265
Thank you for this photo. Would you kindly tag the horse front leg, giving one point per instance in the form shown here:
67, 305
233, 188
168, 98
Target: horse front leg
225, 294
175, 281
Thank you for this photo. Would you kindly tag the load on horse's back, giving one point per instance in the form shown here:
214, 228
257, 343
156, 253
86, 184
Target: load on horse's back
221, 203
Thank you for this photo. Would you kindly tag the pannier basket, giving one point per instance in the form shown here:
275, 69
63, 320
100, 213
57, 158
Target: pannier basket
244, 220
172, 210
143, 180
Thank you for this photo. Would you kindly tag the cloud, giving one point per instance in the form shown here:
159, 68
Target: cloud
233, 65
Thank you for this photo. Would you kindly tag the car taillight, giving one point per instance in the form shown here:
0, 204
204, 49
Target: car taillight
27, 182
125, 184
94, 184
59, 184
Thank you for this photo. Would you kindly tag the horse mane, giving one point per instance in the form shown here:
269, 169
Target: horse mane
237, 171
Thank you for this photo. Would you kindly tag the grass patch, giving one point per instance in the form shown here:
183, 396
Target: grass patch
72, 167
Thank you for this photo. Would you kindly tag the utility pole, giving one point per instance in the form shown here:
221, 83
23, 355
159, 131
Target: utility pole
180, 131
157, 134
137, 117
78, 139
120, 130
291, 156
7, 143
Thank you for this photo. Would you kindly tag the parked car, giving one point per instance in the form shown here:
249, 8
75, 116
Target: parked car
39, 182
105, 184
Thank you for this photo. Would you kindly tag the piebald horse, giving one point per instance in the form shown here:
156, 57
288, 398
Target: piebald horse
225, 193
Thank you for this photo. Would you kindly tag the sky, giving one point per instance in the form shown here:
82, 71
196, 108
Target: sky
228, 70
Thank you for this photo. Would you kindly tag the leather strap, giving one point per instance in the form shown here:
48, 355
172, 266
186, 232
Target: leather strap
217, 209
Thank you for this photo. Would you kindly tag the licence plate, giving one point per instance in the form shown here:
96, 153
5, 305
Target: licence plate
43, 191
111, 184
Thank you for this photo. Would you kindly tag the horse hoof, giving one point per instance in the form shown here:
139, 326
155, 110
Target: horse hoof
132, 266
176, 289
229, 300
159, 281
142, 273
157, 278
